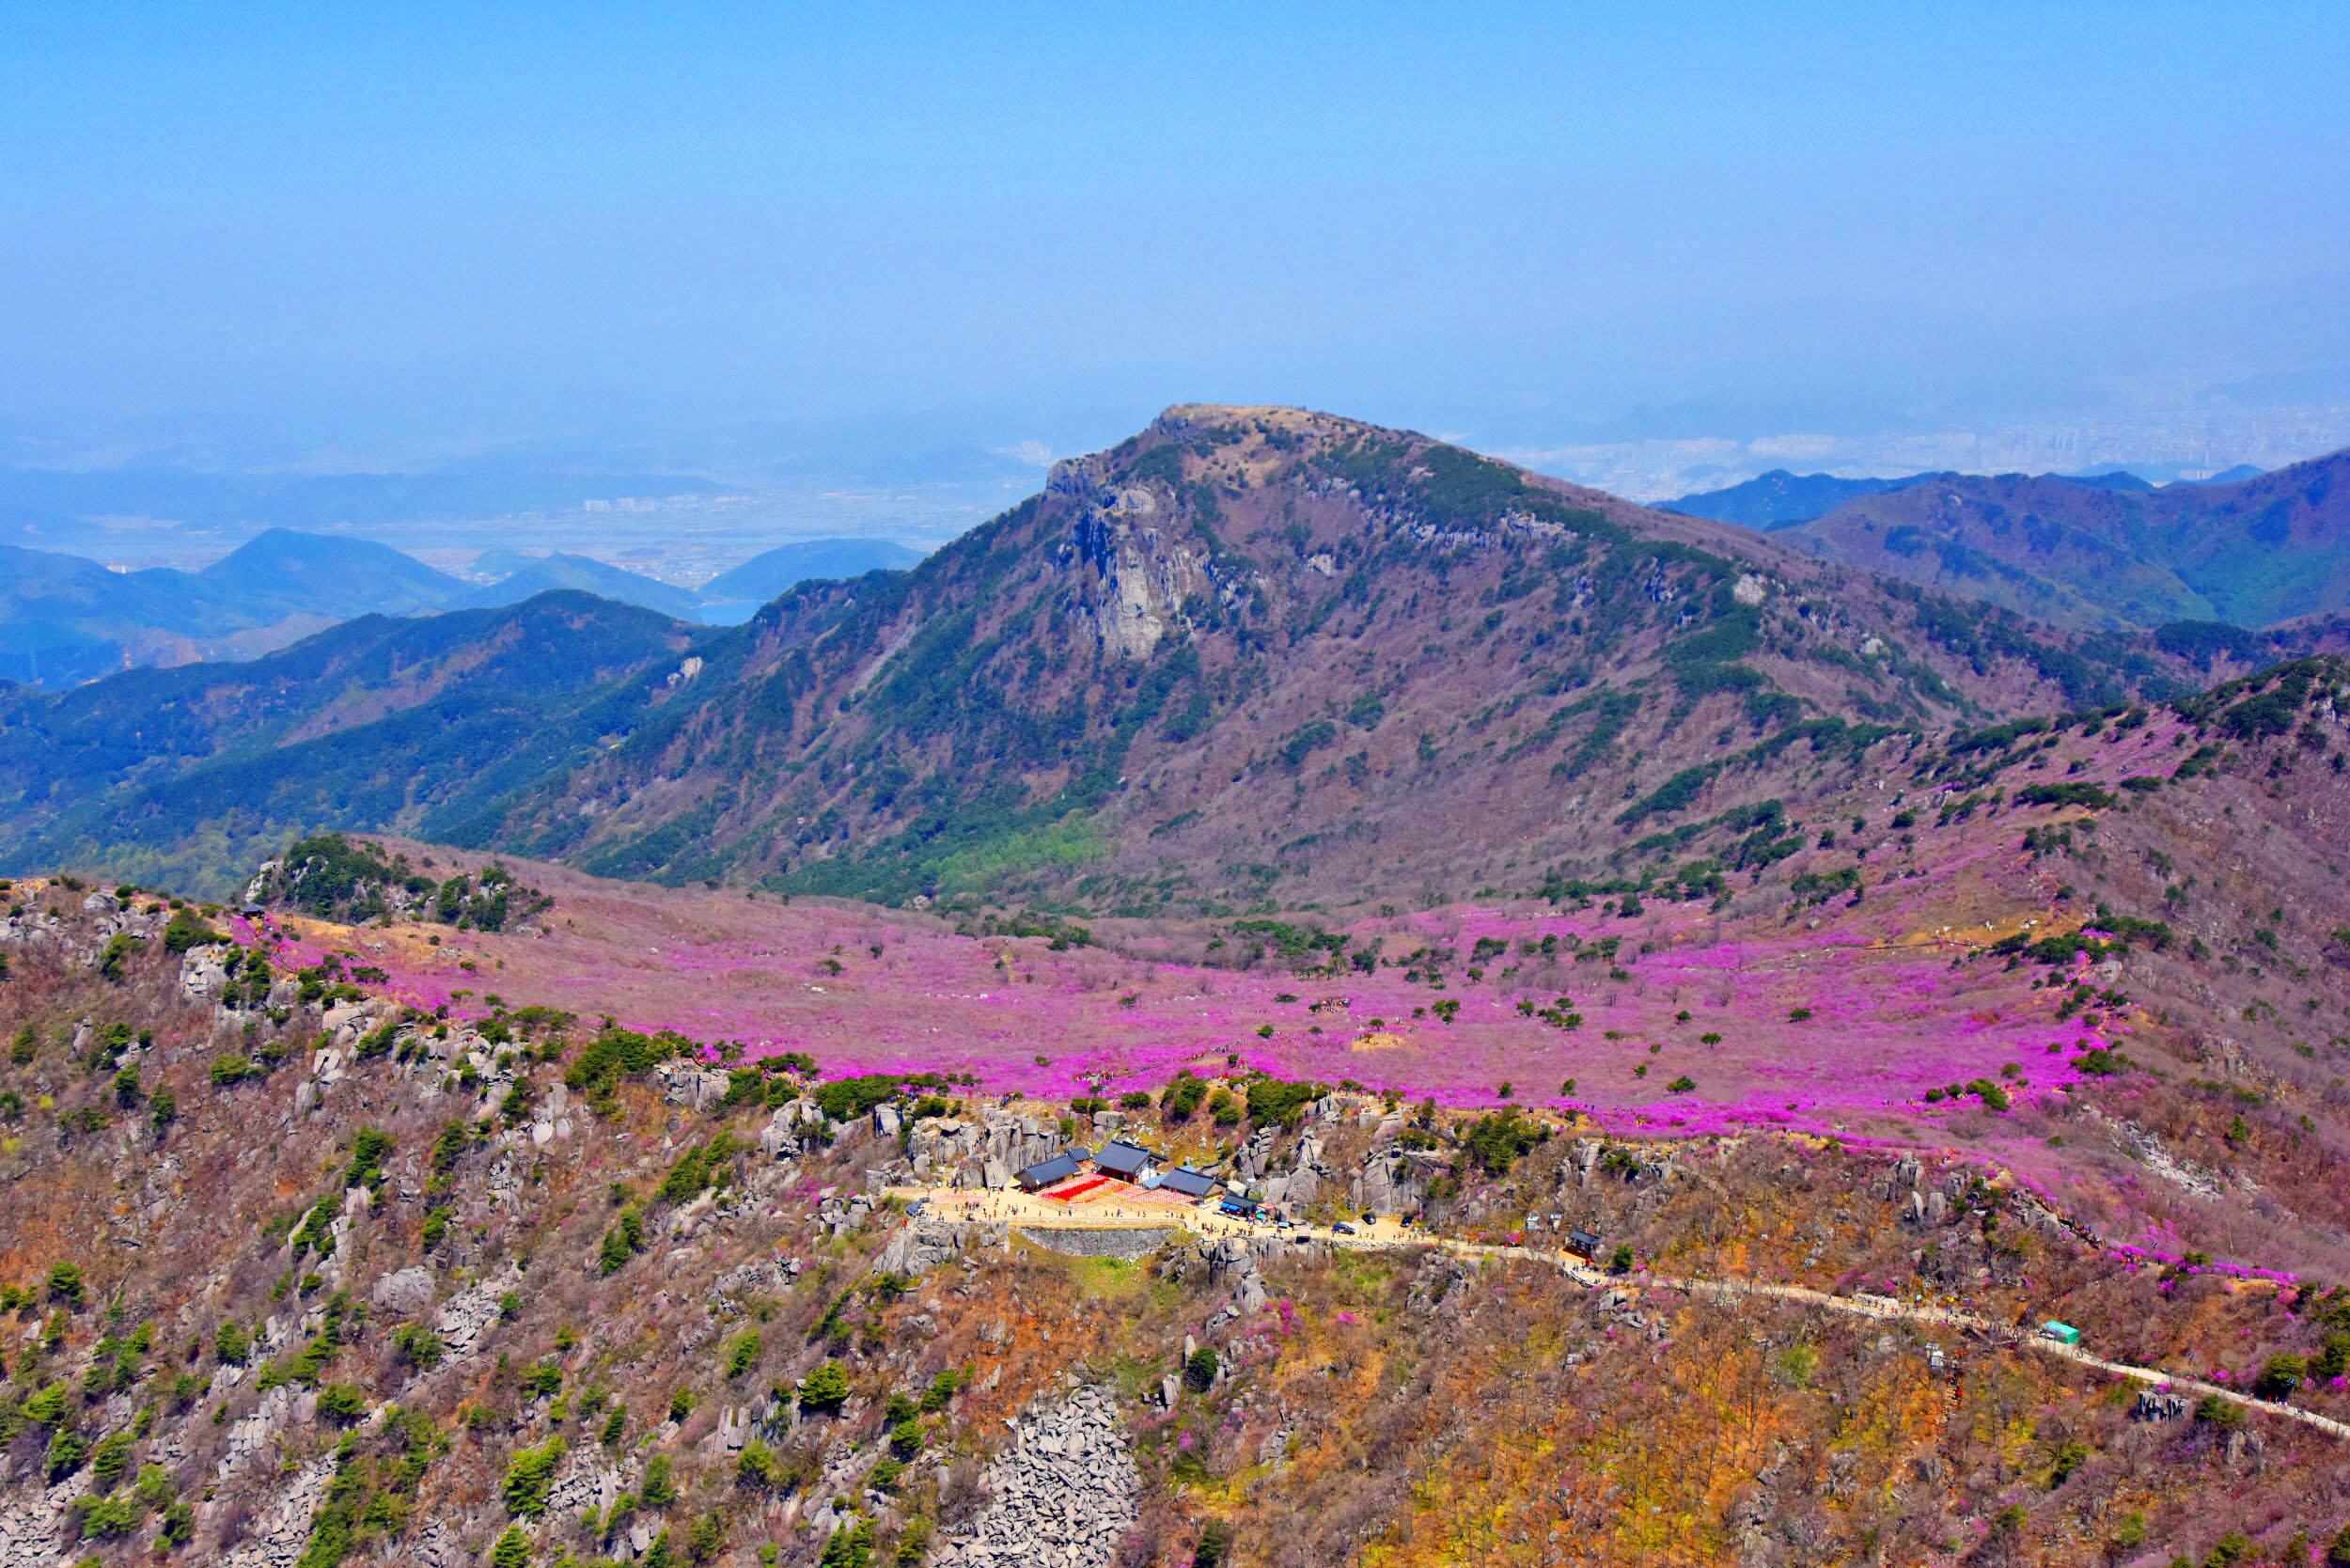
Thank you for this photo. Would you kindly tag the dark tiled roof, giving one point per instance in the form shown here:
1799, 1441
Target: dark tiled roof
1190, 1183
1122, 1157
1049, 1171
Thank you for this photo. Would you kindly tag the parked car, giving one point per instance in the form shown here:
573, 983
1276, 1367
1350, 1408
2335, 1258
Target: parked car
1343, 1228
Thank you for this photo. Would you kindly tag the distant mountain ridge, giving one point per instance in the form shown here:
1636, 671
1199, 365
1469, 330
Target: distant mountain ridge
2253, 553
1779, 498
1248, 658
65, 619
765, 575
427, 721
560, 570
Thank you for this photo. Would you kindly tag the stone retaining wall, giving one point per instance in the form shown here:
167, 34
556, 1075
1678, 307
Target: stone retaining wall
1129, 1242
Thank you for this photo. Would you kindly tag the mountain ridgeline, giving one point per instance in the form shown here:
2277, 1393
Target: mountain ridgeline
180, 774
1250, 659
2253, 554
65, 619
1255, 657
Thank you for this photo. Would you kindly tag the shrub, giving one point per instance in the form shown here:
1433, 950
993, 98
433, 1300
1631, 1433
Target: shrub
742, 1353
2216, 1411
660, 1488
2280, 1377
65, 1284
529, 1477
118, 949
231, 1343
907, 1437
1199, 1369
107, 1519
1796, 1366
826, 1389
544, 1380
623, 1240
1215, 1544
111, 1458
187, 930
229, 1069
342, 1402
48, 1406
1682, 1085
419, 1347
437, 1224
512, 1549
67, 1450
760, 1466
368, 1152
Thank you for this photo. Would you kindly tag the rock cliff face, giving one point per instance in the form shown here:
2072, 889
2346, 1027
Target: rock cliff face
1145, 566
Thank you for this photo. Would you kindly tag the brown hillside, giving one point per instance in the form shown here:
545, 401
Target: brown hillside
2254, 553
1260, 655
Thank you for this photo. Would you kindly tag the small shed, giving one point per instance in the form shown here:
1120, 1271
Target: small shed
1044, 1173
1584, 1241
2062, 1333
1129, 1162
1189, 1183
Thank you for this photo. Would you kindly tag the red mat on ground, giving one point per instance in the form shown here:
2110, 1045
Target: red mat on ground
1075, 1187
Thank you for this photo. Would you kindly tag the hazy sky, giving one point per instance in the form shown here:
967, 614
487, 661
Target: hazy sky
286, 233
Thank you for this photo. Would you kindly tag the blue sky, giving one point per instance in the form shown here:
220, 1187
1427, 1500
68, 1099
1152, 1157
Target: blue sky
264, 234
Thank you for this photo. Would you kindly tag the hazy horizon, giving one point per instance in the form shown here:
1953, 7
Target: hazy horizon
890, 268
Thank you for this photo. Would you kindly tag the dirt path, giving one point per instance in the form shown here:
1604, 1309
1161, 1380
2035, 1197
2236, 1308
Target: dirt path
1024, 1209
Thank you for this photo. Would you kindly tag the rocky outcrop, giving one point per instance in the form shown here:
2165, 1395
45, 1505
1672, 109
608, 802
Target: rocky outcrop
982, 1152
695, 1088
404, 1293
278, 1536
1066, 1491
926, 1245
466, 1316
204, 972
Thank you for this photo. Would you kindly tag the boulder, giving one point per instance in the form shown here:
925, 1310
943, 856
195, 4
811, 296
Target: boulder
405, 1294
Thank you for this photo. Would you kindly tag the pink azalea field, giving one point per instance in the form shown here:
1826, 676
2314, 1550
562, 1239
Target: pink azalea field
1890, 1017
